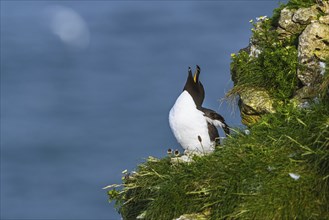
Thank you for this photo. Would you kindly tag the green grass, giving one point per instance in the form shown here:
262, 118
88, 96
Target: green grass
247, 178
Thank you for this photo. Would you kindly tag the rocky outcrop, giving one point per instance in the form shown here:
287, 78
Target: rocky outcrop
254, 102
304, 16
311, 26
313, 48
287, 26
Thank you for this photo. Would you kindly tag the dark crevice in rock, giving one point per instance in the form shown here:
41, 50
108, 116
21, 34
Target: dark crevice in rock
325, 42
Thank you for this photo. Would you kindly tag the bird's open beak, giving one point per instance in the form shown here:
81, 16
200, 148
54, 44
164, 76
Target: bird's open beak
196, 74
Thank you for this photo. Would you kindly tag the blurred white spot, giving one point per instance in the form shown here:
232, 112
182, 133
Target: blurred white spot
69, 26
322, 67
269, 168
247, 132
294, 176
182, 159
262, 18
142, 215
254, 51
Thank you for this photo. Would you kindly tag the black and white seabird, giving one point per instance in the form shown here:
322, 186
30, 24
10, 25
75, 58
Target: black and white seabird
193, 125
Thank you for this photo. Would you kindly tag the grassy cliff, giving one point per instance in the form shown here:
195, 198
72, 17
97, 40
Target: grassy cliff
277, 169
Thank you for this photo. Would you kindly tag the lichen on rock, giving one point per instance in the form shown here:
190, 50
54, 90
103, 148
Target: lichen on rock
313, 47
304, 16
287, 26
324, 19
253, 103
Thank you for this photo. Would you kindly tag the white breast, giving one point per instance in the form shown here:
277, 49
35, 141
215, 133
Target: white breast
188, 124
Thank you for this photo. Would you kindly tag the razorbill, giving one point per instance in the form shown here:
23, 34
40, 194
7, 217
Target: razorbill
193, 125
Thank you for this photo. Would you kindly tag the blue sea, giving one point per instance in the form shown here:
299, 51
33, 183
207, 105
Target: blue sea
86, 88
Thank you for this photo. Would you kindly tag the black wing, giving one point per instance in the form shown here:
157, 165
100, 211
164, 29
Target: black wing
213, 133
215, 119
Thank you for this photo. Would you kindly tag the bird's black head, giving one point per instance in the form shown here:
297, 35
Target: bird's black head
194, 87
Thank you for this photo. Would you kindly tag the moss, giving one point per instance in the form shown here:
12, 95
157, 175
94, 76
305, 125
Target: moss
247, 178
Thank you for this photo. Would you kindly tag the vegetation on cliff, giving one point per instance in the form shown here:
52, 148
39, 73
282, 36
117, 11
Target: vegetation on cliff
271, 65
276, 169
279, 171
285, 60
